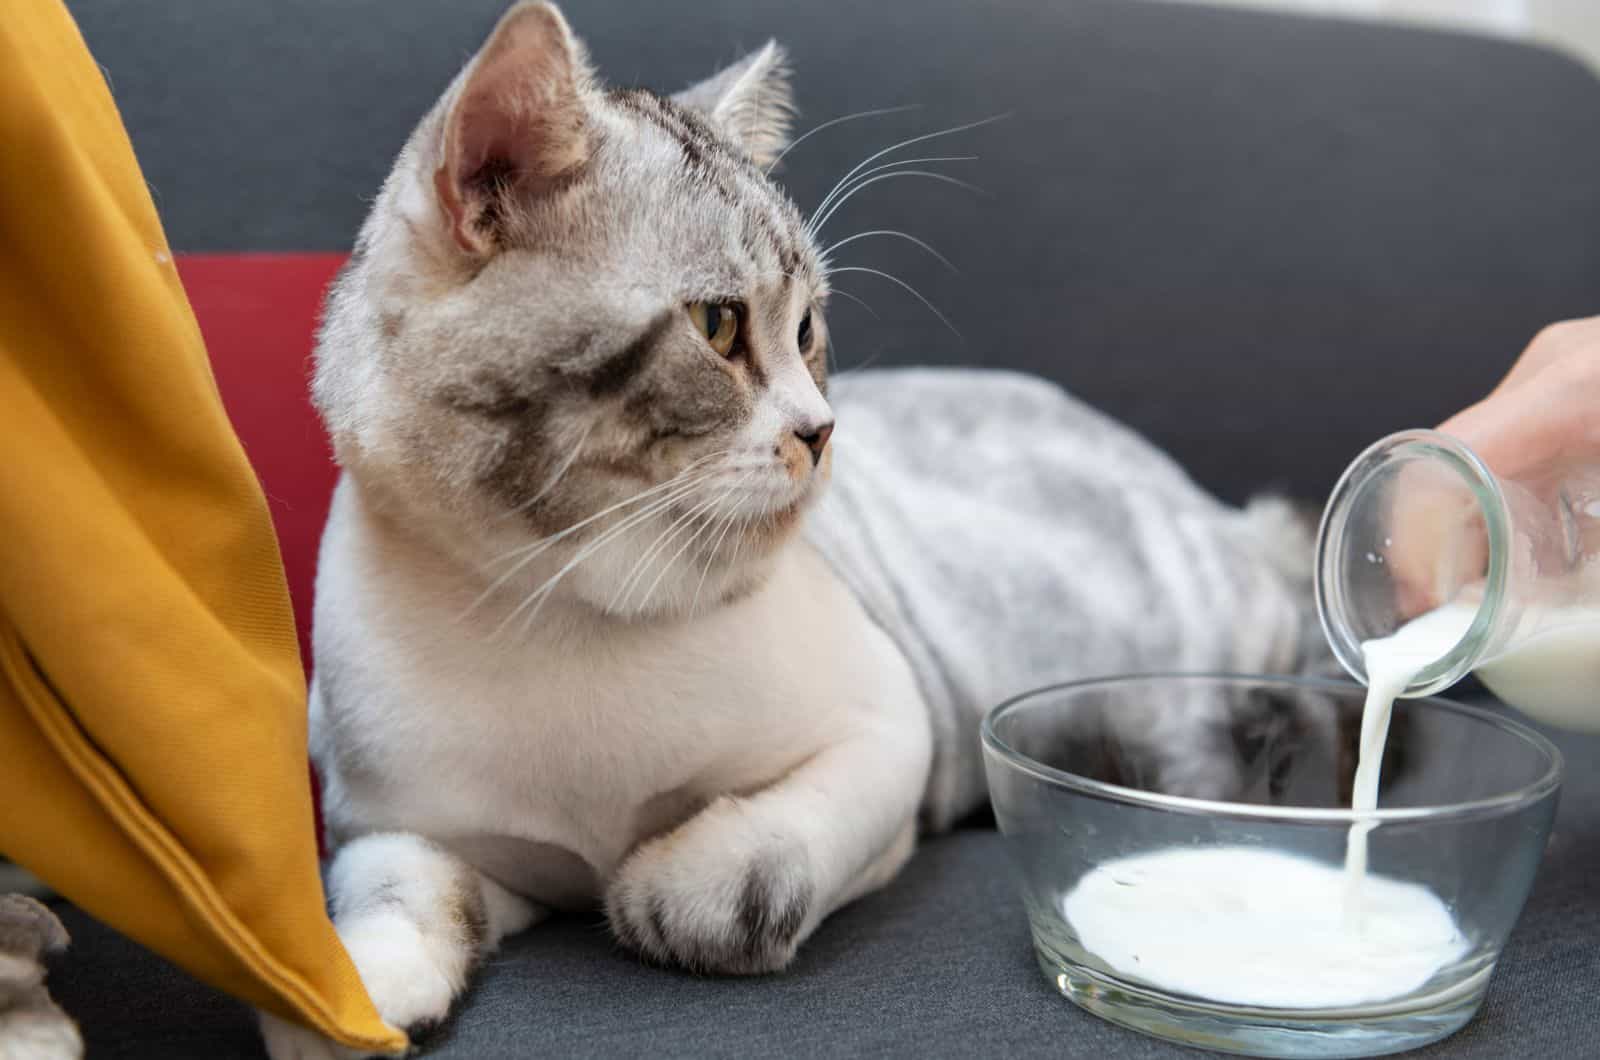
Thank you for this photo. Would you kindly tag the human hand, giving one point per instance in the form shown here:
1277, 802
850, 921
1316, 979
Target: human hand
1546, 409
1543, 414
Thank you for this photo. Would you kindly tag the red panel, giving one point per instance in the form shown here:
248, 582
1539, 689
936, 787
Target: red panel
258, 313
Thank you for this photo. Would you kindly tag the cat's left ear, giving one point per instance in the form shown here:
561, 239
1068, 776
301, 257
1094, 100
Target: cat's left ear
751, 101
515, 124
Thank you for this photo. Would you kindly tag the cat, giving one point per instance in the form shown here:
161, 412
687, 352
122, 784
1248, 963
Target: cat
580, 635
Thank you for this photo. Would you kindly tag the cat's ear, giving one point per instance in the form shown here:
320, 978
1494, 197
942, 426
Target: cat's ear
750, 100
516, 124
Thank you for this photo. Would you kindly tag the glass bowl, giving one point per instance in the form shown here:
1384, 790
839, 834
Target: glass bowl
1181, 840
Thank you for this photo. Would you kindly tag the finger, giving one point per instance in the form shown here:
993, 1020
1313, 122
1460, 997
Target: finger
1552, 414
1553, 344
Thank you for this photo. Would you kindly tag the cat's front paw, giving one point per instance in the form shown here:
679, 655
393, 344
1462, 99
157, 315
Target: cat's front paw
721, 893
405, 978
402, 977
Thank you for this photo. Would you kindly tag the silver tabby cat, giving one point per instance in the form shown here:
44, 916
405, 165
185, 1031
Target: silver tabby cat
572, 645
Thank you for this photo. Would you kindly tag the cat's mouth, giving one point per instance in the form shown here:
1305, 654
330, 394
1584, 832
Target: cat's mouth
764, 502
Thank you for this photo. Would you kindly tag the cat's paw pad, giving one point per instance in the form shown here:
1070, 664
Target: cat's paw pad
719, 894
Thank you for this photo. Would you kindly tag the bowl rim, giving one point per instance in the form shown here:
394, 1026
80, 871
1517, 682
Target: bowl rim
1546, 783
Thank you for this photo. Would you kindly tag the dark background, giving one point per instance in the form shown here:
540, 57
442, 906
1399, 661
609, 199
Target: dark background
1263, 241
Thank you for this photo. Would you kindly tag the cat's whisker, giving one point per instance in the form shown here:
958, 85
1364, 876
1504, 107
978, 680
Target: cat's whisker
634, 499
908, 237
858, 300
723, 496
847, 183
862, 185
763, 273
536, 599
530, 552
661, 543
830, 123
853, 369
538, 596
704, 522
624, 592
553, 480
711, 557
624, 526
738, 542
865, 162
906, 286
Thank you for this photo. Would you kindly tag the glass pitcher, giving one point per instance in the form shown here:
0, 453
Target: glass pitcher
1418, 524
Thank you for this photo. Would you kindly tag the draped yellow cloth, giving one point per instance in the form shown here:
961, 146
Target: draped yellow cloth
152, 704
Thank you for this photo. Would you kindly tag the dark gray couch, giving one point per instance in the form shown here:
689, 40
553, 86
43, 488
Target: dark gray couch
1262, 240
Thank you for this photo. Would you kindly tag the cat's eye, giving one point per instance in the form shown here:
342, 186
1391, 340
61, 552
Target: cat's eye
804, 336
718, 324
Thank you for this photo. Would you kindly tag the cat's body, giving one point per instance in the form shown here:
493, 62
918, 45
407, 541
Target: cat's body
1008, 536
549, 765
571, 648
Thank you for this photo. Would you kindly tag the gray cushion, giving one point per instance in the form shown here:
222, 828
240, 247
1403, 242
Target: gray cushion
938, 964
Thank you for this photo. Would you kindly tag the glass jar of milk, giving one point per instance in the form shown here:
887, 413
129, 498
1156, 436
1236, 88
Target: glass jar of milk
1433, 564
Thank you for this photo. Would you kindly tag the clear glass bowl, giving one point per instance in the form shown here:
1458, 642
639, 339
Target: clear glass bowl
1085, 774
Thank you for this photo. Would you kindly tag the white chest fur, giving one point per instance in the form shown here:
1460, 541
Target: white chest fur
546, 757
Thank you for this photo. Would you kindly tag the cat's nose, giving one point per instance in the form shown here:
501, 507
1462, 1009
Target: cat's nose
816, 440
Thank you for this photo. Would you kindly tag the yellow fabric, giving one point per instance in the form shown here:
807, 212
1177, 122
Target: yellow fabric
152, 705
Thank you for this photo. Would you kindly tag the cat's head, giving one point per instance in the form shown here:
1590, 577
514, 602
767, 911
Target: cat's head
566, 297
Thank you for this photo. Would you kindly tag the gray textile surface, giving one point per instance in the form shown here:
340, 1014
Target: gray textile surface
1007, 536
1225, 228
938, 964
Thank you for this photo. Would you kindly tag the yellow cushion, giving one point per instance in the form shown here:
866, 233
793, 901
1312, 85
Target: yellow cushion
152, 705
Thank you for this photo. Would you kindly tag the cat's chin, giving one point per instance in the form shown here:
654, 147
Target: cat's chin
774, 526
784, 521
